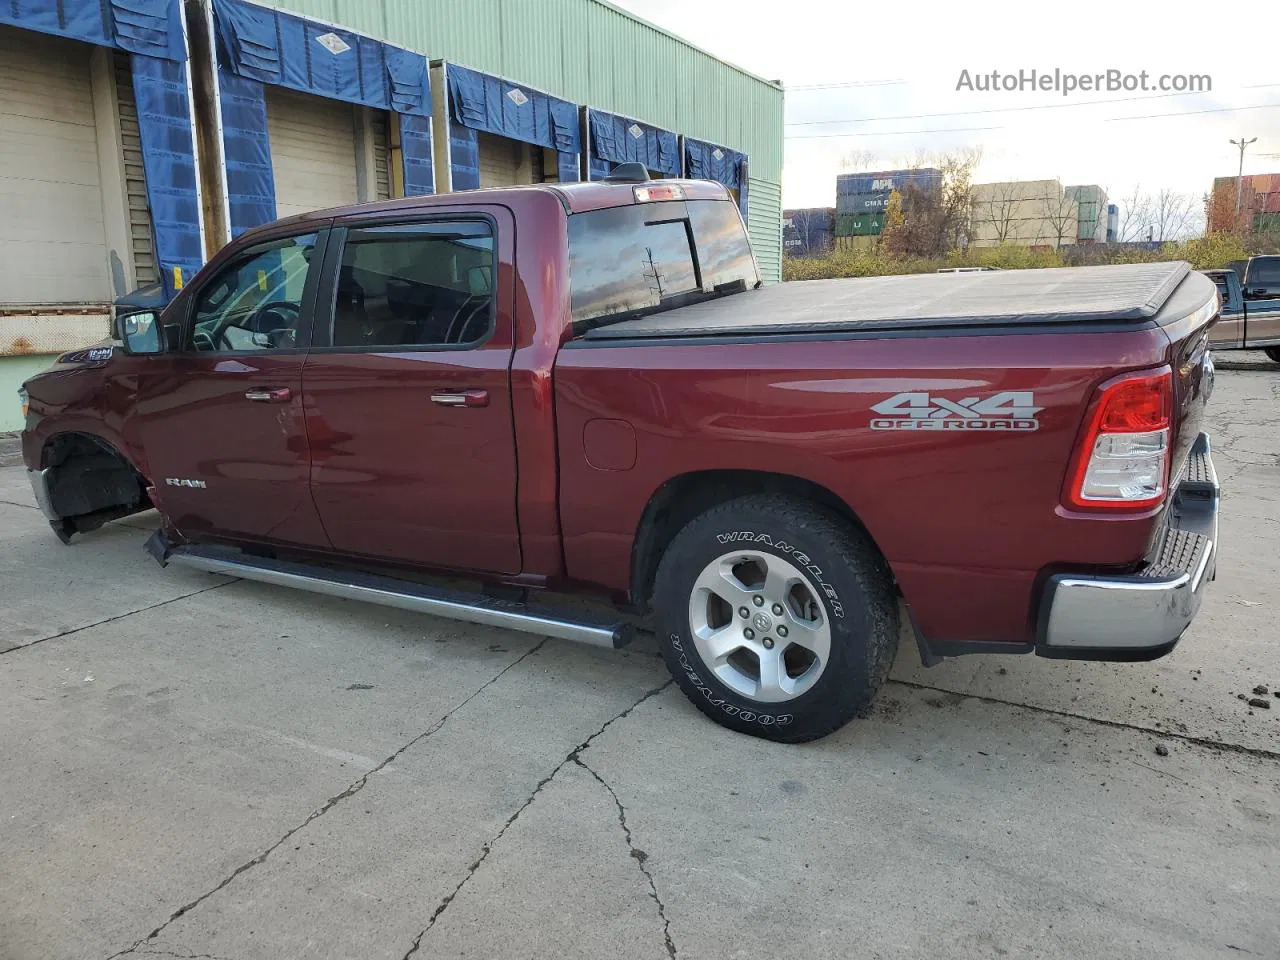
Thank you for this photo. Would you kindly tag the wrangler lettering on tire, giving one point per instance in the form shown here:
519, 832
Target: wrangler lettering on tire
778, 618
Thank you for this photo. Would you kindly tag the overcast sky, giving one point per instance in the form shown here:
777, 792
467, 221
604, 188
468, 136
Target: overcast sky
926, 44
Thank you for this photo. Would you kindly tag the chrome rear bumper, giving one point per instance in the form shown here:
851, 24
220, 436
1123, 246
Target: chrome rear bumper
1141, 616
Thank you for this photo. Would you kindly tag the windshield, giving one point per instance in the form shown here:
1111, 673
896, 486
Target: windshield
646, 257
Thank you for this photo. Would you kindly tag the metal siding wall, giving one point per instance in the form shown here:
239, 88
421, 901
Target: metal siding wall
575, 34
587, 52
531, 46
381, 156
764, 223
140, 233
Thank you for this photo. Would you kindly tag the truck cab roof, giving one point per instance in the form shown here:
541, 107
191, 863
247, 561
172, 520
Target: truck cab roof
574, 197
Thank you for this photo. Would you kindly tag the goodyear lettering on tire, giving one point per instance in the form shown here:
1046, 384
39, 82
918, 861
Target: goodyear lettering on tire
749, 716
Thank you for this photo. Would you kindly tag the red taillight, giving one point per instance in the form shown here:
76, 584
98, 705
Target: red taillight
1132, 406
1123, 460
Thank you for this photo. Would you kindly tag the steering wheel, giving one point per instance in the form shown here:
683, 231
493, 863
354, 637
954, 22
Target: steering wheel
467, 312
254, 322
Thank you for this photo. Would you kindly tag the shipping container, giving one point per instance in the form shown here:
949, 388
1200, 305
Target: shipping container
1263, 182
808, 232
859, 224
1266, 223
924, 178
855, 244
863, 202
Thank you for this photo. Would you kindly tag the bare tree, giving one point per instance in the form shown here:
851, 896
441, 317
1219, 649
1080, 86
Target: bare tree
1135, 217
1062, 217
1173, 215
995, 211
856, 161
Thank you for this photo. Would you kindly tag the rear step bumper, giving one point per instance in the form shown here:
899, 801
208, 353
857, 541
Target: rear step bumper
403, 594
1141, 617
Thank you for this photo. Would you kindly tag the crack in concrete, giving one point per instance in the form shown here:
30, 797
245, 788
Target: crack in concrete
328, 805
154, 952
118, 616
1205, 742
488, 846
639, 856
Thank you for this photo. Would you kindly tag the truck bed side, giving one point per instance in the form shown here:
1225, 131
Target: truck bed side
968, 517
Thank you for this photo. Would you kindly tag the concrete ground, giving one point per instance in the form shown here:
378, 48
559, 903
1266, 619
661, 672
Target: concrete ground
198, 767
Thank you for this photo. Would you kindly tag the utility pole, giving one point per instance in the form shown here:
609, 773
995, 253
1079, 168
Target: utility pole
1241, 143
652, 273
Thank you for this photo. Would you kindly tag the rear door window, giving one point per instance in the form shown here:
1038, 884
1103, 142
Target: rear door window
415, 286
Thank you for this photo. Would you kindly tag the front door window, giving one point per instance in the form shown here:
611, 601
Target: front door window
255, 302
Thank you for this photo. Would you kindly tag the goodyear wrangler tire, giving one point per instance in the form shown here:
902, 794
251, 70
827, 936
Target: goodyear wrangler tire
776, 617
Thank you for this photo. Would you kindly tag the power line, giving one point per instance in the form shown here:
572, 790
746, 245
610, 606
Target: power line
883, 133
893, 133
1190, 113
960, 113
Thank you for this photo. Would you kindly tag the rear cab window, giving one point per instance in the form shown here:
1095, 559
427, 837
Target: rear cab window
647, 257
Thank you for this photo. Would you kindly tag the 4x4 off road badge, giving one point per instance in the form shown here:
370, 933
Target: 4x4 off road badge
1011, 410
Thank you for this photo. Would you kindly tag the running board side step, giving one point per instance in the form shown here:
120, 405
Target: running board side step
402, 594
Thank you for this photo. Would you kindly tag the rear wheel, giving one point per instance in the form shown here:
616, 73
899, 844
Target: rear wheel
1273, 353
776, 617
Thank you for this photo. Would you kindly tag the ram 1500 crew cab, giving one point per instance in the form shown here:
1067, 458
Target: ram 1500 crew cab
585, 388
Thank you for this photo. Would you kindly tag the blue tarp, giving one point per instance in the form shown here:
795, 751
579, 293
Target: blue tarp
151, 27
567, 169
478, 101
707, 161
623, 140
168, 158
415, 147
464, 157
251, 188
258, 43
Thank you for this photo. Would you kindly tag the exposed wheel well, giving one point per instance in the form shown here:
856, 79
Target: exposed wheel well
682, 498
91, 482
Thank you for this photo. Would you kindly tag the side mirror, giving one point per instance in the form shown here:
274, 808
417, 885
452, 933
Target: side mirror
140, 332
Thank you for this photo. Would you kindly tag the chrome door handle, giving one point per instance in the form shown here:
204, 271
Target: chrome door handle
461, 398
269, 395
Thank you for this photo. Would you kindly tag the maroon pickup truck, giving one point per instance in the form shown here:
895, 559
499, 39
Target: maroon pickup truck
586, 389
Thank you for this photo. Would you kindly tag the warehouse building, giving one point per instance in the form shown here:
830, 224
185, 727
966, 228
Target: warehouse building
98, 190
139, 136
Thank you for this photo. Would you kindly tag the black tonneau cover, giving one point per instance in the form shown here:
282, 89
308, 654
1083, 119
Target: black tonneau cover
1118, 294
